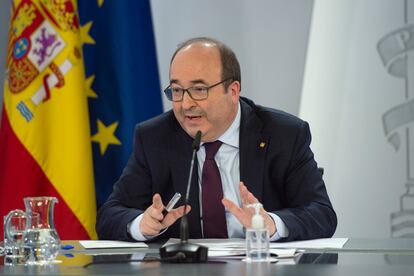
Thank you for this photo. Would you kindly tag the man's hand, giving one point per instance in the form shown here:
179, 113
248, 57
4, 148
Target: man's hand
153, 220
244, 214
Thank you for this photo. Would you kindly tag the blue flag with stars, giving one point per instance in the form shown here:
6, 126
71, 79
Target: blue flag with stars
122, 81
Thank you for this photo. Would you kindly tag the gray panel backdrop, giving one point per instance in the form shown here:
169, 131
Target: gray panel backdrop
358, 97
269, 37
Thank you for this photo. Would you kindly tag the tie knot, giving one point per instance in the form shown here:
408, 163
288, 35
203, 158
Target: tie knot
212, 148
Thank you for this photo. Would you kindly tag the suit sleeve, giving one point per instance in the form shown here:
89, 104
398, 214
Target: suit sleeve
131, 195
309, 214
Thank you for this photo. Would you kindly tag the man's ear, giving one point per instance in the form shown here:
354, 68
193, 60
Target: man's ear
234, 89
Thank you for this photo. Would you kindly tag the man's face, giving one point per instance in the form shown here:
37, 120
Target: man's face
199, 65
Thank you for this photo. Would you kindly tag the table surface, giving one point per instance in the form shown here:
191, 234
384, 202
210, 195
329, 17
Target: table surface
358, 257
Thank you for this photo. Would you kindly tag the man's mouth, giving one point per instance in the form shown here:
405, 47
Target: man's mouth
193, 117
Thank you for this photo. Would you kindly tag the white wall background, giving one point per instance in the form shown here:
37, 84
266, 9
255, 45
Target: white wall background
269, 37
346, 91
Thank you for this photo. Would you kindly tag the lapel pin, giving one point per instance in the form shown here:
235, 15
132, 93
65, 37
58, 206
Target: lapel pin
262, 145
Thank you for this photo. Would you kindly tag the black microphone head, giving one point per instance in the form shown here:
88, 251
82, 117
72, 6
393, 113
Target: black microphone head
197, 140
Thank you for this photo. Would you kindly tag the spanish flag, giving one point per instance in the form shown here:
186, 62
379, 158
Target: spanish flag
45, 140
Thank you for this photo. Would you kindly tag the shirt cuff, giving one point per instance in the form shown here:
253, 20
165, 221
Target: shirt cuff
135, 232
281, 230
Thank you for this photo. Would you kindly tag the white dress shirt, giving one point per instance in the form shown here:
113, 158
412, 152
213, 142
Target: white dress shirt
228, 162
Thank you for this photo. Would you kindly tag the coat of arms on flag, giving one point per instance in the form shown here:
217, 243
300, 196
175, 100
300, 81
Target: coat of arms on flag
35, 43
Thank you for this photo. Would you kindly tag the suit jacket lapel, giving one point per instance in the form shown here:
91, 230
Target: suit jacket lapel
253, 148
180, 153
180, 157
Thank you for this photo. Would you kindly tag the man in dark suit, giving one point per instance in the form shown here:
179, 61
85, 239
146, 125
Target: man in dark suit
261, 155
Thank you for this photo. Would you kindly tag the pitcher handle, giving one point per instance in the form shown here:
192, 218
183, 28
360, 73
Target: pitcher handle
12, 213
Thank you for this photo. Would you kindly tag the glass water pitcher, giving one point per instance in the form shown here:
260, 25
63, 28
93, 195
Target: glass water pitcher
41, 242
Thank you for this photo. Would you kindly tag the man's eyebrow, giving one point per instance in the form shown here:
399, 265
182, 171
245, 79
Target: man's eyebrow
198, 81
193, 82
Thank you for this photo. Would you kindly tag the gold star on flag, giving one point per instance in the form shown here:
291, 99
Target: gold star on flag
88, 86
84, 31
100, 3
106, 136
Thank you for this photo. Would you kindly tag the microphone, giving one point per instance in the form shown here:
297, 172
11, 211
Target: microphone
184, 221
185, 252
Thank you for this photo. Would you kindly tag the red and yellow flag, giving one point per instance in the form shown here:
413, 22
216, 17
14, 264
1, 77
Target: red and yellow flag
45, 147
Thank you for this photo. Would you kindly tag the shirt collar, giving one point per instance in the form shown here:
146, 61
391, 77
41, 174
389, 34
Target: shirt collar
231, 135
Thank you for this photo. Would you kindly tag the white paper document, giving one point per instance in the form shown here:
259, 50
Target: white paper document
275, 252
94, 244
237, 247
332, 243
241, 243
234, 248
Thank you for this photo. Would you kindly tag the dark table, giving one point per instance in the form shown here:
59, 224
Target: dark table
358, 257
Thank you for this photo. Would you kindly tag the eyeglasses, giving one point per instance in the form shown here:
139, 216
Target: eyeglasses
197, 93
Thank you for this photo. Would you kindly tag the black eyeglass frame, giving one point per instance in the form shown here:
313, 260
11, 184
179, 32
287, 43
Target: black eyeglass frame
168, 91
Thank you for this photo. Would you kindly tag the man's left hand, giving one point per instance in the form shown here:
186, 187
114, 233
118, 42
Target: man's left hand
245, 214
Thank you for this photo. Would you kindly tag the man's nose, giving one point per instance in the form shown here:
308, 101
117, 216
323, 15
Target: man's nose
187, 102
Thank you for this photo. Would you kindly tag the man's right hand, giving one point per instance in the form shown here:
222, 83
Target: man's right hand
153, 220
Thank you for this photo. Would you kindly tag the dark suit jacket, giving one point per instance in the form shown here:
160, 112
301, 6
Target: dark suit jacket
283, 174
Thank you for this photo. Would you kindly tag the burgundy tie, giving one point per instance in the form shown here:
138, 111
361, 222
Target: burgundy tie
214, 217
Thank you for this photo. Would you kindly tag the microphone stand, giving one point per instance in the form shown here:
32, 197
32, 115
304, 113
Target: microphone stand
185, 252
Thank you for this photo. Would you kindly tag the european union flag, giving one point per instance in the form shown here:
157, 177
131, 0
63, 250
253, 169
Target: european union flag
122, 79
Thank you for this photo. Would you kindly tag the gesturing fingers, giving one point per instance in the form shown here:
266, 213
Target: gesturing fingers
151, 221
175, 214
238, 212
149, 225
244, 193
153, 224
157, 202
246, 196
244, 213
